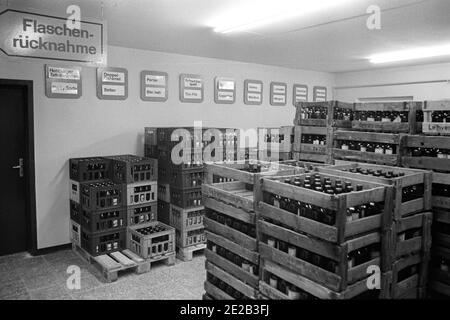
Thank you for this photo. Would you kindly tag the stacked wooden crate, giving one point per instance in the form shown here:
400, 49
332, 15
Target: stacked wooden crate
275, 143
232, 259
409, 236
376, 130
180, 180
315, 123
317, 245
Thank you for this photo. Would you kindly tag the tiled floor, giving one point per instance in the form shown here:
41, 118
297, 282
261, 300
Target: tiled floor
23, 276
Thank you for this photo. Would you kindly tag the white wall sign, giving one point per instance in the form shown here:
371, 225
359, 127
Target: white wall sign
191, 88
62, 82
112, 83
46, 36
278, 93
154, 86
253, 92
320, 94
300, 93
224, 90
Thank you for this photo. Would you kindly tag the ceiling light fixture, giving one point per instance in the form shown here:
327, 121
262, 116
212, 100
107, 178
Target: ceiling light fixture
257, 13
412, 54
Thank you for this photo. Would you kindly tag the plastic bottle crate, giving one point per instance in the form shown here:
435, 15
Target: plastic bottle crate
426, 152
189, 238
186, 198
151, 245
142, 193
436, 125
405, 180
75, 233
103, 220
340, 227
103, 242
186, 219
164, 212
370, 147
164, 192
150, 136
89, 169
142, 214
186, 179
133, 169
324, 114
75, 211
379, 117
102, 195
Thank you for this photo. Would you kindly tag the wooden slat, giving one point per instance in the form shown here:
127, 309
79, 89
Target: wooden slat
231, 234
233, 247
229, 210
122, 259
363, 225
363, 241
367, 136
132, 256
216, 292
108, 263
415, 205
226, 196
271, 293
360, 271
352, 155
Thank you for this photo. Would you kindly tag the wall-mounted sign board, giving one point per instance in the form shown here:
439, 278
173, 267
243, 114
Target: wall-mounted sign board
253, 92
46, 36
112, 83
191, 88
300, 93
154, 86
62, 82
224, 90
320, 94
278, 93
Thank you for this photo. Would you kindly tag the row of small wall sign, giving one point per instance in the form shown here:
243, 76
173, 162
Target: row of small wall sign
112, 84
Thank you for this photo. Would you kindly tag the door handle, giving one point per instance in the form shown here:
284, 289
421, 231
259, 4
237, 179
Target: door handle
20, 167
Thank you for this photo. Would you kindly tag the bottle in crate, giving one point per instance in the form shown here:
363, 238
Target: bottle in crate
103, 242
141, 214
133, 169
151, 241
142, 193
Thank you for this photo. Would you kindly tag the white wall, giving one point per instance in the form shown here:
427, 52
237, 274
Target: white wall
89, 126
433, 91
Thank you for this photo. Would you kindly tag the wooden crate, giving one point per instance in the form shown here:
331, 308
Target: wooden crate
238, 285
440, 201
331, 108
341, 230
411, 177
414, 282
410, 126
373, 138
440, 279
337, 279
440, 238
284, 138
230, 267
312, 152
418, 244
424, 161
435, 128
316, 290
154, 246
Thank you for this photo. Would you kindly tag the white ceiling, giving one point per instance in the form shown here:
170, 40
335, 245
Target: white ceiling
335, 40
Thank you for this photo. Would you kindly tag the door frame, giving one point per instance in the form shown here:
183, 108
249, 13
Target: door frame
30, 184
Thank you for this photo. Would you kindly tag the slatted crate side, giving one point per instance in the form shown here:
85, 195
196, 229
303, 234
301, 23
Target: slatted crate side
411, 142
227, 209
411, 177
312, 288
420, 243
441, 219
440, 201
388, 126
441, 288
142, 193
331, 108
306, 165
416, 280
336, 273
103, 242
191, 238
75, 233
151, 246
235, 194
103, 220
232, 281
300, 131
186, 219
435, 128
102, 195
313, 157
246, 274
367, 137
338, 203
215, 292
89, 169
142, 214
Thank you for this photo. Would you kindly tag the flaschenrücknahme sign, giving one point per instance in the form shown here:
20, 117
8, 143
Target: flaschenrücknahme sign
33, 35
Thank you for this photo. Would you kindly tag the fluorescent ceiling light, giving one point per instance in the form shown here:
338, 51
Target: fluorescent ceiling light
252, 14
412, 54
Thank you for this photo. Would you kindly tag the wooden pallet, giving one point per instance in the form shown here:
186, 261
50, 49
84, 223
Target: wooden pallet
112, 263
186, 254
411, 177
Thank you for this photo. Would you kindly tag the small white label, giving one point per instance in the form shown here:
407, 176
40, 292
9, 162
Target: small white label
111, 76
112, 90
154, 80
279, 89
225, 96
64, 88
254, 87
226, 85
192, 94
63, 73
151, 92
279, 98
254, 97
193, 83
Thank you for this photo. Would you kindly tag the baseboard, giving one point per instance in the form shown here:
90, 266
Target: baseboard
48, 250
